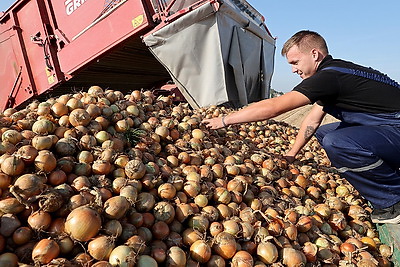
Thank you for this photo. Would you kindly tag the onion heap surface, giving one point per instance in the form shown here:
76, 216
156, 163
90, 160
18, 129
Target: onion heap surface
102, 178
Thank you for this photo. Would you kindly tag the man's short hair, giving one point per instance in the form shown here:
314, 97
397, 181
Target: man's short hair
305, 40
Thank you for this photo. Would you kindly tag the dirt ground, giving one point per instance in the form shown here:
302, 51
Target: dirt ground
296, 116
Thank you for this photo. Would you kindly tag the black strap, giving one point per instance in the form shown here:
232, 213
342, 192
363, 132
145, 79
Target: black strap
368, 75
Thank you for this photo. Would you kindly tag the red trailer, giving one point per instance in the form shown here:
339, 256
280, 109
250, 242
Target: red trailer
215, 51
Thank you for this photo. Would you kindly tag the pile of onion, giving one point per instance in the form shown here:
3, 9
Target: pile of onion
104, 179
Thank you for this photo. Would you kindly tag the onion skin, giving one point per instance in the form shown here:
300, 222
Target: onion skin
45, 251
101, 247
293, 258
200, 251
119, 256
39, 220
176, 257
11, 205
13, 166
225, 245
242, 259
9, 259
83, 223
267, 252
116, 207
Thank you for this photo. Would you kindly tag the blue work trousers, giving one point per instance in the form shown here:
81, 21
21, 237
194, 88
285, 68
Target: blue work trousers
365, 149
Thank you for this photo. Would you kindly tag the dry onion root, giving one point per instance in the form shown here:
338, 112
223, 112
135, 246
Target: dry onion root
135, 180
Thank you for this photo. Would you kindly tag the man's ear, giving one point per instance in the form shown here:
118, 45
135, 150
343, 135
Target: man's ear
316, 54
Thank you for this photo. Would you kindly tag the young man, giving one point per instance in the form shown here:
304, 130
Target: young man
365, 145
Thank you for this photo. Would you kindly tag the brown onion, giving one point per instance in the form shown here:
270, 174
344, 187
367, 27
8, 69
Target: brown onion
135, 169
22, 235
13, 166
176, 257
293, 258
45, 161
45, 251
200, 251
28, 185
79, 117
267, 252
101, 247
11, 205
9, 259
39, 220
242, 259
224, 245
121, 254
83, 223
116, 207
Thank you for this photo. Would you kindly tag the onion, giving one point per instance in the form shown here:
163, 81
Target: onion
231, 227
57, 226
82, 259
310, 251
43, 127
42, 142
113, 228
145, 202
83, 223
79, 117
200, 251
101, 167
82, 169
242, 259
27, 153
293, 258
116, 207
101, 247
267, 252
176, 257
11, 205
6, 147
8, 259
59, 109
39, 220
122, 256
28, 185
190, 236
163, 211
9, 223
162, 131
146, 261
5, 181
135, 169
66, 245
13, 166
225, 245
11, 136
57, 177
45, 251
160, 230
66, 147
88, 141
22, 235
137, 243
45, 161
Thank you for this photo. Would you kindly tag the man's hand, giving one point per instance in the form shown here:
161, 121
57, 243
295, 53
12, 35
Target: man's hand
214, 123
289, 159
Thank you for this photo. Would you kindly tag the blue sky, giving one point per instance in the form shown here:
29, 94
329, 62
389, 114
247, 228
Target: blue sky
363, 31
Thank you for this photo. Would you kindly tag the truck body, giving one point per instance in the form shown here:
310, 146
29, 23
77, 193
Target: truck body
215, 51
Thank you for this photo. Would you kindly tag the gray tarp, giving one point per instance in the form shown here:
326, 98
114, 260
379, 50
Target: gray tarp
216, 57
